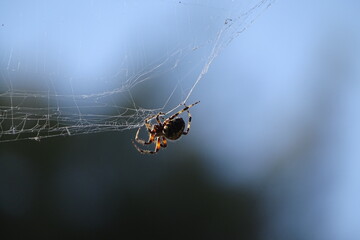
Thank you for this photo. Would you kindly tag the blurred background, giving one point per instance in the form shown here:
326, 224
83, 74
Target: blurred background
273, 152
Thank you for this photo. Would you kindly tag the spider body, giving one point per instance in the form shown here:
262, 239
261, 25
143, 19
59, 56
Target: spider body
172, 128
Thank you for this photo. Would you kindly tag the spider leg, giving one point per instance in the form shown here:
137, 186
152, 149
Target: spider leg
143, 142
157, 147
189, 124
164, 142
181, 111
157, 117
148, 125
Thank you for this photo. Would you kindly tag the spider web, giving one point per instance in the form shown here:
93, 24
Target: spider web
95, 66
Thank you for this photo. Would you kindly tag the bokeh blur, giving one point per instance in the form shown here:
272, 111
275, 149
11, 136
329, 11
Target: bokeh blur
273, 152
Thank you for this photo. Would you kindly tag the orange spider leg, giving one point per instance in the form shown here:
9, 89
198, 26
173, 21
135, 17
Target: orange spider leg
143, 142
164, 142
157, 148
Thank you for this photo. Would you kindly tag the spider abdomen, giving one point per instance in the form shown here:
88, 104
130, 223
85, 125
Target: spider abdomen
174, 128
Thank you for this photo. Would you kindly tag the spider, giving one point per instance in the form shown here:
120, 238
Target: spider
172, 128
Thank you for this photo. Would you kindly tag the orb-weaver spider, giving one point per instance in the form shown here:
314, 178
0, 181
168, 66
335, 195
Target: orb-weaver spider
172, 128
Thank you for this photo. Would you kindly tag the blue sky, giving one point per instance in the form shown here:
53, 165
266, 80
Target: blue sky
288, 99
